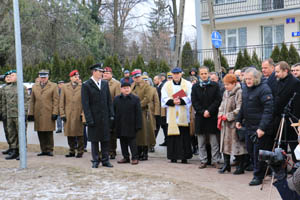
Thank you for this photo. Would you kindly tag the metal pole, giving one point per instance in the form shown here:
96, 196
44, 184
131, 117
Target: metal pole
179, 33
21, 110
213, 28
199, 30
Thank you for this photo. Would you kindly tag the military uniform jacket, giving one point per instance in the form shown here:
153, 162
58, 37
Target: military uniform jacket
114, 88
98, 108
44, 104
10, 100
70, 107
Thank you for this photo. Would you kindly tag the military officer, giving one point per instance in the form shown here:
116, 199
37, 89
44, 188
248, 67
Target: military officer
70, 109
43, 110
3, 115
115, 90
141, 89
10, 108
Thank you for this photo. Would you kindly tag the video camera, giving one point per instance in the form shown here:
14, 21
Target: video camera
2, 77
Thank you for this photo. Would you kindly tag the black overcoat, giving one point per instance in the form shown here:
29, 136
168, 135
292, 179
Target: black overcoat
98, 109
128, 115
206, 98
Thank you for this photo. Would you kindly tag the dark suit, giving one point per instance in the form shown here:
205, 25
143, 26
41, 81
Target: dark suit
161, 121
98, 109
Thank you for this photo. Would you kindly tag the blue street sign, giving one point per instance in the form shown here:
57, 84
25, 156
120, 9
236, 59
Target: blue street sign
296, 34
290, 20
216, 39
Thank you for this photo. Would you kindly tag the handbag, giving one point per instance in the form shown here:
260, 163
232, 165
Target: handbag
241, 133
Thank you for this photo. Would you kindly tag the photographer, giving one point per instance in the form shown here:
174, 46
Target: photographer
256, 113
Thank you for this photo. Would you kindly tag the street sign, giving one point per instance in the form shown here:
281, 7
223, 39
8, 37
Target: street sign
296, 34
290, 20
216, 39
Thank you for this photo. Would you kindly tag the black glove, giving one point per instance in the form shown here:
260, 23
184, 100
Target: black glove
90, 124
112, 122
54, 117
30, 118
64, 119
254, 138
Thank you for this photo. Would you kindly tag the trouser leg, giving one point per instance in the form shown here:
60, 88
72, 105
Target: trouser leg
202, 148
42, 140
80, 144
133, 148
105, 151
158, 124
215, 150
72, 144
95, 151
85, 136
113, 143
12, 128
124, 147
59, 123
49, 141
164, 126
6, 133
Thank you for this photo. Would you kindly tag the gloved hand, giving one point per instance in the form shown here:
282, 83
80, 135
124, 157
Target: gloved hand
91, 124
54, 117
64, 119
30, 118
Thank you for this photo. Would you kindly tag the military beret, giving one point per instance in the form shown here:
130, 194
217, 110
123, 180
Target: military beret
97, 66
125, 84
176, 70
107, 69
169, 74
136, 73
12, 71
73, 73
43, 73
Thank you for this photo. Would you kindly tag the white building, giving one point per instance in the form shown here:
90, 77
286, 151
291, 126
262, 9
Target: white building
257, 25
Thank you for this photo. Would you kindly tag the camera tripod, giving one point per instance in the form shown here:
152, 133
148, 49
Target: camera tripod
278, 140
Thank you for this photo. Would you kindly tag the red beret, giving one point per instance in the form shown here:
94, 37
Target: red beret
136, 72
73, 73
107, 69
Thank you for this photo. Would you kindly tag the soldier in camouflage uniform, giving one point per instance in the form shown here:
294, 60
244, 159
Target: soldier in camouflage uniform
10, 108
3, 115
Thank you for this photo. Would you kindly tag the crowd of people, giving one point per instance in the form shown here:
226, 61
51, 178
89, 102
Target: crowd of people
216, 116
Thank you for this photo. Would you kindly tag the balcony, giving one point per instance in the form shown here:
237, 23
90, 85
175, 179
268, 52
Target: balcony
263, 52
232, 8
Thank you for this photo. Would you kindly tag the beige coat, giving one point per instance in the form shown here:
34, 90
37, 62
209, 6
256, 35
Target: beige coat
154, 106
114, 88
143, 91
44, 104
230, 107
70, 107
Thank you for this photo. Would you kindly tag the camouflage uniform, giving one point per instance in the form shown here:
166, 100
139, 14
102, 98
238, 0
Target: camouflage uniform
10, 109
4, 117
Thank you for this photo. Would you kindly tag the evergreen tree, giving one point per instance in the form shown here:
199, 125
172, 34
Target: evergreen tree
187, 57
224, 62
256, 61
210, 64
139, 63
284, 53
57, 65
239, 64
293, 55
117, 68
127, 65
275, 54
163, 67
247, 59
152, 68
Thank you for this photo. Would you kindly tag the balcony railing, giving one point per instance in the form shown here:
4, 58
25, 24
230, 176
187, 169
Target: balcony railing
262, 51
228, 8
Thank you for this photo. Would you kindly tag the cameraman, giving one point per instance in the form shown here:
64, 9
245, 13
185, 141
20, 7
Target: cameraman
256, 113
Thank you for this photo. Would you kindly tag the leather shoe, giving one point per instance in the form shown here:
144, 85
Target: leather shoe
163, 144
59, 131
112, 156
79, 155
123, 160
135, 162
217, 165
202, 166
107, 164
173, 161
184, 161
255, 181
42, 154
70, 155
6, 151
95, 164
50, 154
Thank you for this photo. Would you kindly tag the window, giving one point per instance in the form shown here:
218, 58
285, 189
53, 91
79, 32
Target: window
271, 35
272, 4
227, 1
232, 39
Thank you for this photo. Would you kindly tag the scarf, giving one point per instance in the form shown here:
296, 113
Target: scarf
181, 113
204, 83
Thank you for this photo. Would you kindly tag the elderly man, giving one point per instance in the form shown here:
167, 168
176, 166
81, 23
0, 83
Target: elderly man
43, 110
267, 68
99, 114
115, 90
256, 115
176, 97
70, 109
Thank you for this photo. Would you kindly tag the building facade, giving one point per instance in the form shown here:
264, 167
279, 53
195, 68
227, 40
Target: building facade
257, 25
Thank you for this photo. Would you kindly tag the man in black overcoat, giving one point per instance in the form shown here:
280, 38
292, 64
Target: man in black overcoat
98, 111
128, 114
